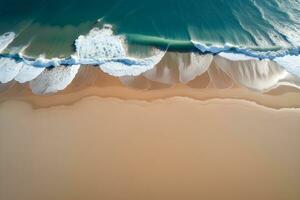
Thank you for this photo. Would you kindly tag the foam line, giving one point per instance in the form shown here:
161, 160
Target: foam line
6, 39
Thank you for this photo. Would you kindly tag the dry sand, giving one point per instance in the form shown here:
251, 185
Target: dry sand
176, 148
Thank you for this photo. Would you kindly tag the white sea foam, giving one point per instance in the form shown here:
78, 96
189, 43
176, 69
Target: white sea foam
53, 80
101, 47
290, 63
243, 51
28, 73
236, 56
100, 44
9, 69
6, 39
210, 48
42, 62
131, 66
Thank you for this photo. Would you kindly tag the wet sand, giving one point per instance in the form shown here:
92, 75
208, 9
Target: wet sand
90, 81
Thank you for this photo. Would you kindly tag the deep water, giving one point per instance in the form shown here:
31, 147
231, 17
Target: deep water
51, 27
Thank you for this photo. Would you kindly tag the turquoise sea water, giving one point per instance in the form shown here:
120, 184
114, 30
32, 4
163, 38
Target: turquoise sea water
51, 27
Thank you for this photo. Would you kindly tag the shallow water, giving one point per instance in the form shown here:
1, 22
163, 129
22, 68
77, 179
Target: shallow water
129, 38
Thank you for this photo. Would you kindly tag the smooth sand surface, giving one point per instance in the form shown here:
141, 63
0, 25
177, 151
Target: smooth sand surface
176, 148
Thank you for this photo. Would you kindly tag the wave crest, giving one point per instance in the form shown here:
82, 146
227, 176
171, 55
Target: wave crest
100, 47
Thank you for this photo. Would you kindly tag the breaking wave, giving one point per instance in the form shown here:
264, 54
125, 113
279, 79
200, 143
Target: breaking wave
255, 69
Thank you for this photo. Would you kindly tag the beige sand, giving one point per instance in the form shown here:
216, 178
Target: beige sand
178, 148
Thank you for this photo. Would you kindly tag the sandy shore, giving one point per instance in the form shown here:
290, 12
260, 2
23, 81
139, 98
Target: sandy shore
103, 139
177, 148
90, 81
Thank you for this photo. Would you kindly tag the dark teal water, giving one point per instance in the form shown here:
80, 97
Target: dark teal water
50, 27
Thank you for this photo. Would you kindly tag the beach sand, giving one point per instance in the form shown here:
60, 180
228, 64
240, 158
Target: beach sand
177, 148
102, 140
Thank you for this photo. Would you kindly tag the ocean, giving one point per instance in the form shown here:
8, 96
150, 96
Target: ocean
51, 27
129, 37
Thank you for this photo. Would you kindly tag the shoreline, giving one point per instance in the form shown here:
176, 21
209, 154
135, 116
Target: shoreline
114, 51
128, 94
90, 81
149, 103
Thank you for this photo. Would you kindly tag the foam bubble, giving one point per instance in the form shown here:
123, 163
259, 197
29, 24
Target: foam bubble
100, 44
228, 50
212, 48
54, 80
101, 47
9, 69
131, 66
28, 73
